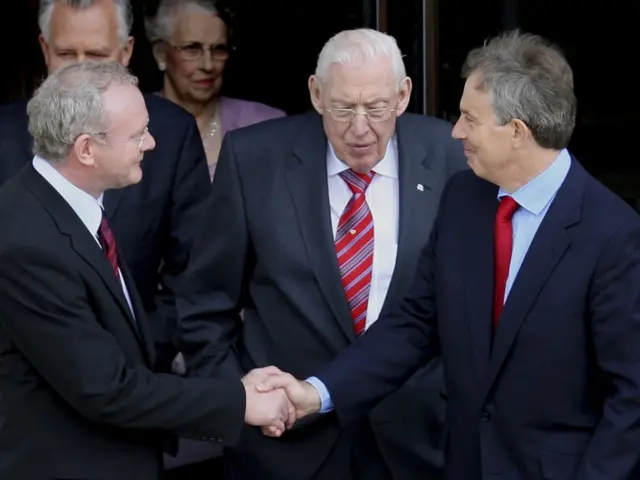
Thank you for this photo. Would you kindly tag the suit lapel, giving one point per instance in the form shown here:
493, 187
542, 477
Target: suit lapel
307, 181
477, 279
418, 205
145, 337
547, 249
81, 240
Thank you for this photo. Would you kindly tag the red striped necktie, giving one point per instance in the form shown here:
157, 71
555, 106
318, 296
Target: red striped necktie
108, 244
354, 247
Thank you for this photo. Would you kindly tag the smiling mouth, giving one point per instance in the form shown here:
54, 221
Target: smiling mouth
361, 147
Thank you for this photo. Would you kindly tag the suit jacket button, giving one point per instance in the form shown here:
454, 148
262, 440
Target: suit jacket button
486, 416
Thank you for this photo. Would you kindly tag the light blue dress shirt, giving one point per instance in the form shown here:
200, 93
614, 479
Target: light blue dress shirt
534, 199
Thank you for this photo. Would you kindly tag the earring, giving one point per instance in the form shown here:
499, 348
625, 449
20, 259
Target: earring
162, 66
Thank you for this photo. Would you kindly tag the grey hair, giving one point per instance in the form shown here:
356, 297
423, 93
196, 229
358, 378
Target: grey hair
360, 45
69, 104
123, 11
161, 25
529, 79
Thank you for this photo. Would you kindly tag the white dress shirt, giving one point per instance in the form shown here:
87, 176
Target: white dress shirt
382, 199
88, 209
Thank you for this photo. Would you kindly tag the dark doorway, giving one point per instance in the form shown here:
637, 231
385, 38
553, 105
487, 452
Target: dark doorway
599, 40
276, 47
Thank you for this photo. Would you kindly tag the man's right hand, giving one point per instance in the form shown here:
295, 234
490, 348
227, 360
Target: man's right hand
270, 410
302, 395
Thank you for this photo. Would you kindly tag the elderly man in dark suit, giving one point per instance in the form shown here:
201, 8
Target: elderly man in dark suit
155, 220
314, 228
529, 289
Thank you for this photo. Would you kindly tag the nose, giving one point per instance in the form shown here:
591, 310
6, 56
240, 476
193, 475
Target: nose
360, 125
207, 60
458, 131
149, 142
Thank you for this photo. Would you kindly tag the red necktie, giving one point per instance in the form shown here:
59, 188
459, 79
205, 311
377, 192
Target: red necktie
108, 243
354, 247
503, 245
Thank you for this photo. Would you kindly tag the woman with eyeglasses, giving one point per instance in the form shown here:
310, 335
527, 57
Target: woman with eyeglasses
190, 46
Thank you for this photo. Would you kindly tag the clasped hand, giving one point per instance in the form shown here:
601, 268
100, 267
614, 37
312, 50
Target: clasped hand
275, 400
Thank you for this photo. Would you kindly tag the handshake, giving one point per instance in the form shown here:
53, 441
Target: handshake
275, 400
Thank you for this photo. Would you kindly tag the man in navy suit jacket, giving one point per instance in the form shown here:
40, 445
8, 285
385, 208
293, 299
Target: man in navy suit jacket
529, 288
155, 220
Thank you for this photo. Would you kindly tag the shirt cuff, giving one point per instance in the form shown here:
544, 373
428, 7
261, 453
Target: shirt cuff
326, 404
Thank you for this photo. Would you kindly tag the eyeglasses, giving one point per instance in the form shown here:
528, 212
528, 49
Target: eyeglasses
372, 114
139, 138
194, 51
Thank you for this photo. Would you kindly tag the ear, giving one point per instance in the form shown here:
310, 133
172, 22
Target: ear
44, 46
521, 132
405, 96
315, 92
83, 148
160, 55
127, 51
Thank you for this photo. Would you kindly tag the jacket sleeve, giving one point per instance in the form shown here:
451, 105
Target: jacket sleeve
48, 314
211, 299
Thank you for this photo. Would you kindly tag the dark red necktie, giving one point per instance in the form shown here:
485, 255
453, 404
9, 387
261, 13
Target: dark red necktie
354, 247
503, 245
108, 243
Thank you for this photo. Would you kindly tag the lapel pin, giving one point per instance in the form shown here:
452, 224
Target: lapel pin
420, 187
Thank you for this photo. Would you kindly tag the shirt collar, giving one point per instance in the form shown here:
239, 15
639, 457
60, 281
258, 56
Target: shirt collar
84, 205
387, 167
536, 194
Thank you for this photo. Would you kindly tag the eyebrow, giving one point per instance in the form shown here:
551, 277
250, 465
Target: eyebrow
466, 112
217, 44
351, 102
378, 100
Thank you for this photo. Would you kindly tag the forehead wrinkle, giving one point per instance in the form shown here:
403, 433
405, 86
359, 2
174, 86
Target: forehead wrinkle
207, 28
361, 97
87, 37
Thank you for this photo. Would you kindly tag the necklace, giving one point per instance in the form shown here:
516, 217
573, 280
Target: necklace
213, 127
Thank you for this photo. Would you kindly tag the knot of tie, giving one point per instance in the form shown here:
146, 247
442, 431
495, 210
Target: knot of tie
358, 182
506, 209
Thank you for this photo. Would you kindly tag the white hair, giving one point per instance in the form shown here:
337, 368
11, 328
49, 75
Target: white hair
69, 104
360, 45
161, 25
123, 12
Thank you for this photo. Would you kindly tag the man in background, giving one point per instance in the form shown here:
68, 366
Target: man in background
315, 225
79, 396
